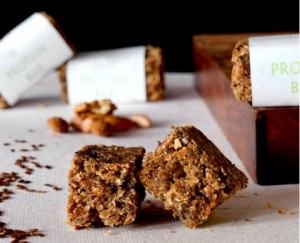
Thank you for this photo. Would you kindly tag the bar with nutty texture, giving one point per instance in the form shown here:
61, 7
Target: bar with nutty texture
190, 175
155, 84
104, 188
240, 77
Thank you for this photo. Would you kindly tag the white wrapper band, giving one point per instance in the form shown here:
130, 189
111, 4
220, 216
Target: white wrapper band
117, 74
27, 53
275, 69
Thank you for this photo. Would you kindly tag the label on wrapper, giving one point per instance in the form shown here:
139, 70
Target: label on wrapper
27, 53
117, 74
275, 69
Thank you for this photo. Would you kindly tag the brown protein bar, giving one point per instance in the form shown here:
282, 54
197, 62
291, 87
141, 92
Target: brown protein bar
154, 75
104, 188
190, 175
240, 77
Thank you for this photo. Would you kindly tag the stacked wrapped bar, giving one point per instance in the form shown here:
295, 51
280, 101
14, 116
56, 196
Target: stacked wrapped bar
37, 41
154, 75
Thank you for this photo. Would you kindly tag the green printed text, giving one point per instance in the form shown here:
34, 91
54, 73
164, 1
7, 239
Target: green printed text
26, 62
284, 68
294, 87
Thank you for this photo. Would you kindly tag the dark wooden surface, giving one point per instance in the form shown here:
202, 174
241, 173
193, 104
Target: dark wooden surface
265, 139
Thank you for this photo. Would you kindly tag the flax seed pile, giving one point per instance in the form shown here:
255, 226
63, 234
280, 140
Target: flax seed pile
11, 182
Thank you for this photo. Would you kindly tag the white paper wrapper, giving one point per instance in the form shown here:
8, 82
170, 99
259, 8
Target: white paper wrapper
27, 53
275, 68
117, 74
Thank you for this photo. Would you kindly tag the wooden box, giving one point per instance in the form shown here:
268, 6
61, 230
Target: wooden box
265, 139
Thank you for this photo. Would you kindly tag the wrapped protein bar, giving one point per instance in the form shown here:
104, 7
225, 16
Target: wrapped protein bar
266, 70
28, 52
128, 74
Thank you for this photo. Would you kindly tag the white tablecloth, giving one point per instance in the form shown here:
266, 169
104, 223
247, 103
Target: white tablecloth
255, 214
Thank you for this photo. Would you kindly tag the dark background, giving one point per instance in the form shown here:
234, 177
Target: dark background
97, 25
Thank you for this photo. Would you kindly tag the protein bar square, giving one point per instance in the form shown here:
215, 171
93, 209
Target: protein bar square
104, 188
190, 175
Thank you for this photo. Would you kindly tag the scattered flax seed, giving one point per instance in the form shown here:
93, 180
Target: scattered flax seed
36, 164
55, 188
23, 160
5, 194
6, 178
21, 163
24, 150
29, 172
4, 232
20, 141
36, 147
24, 181
49, 167
35, 232
248, 220
25, 188
255, 194
19, 235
